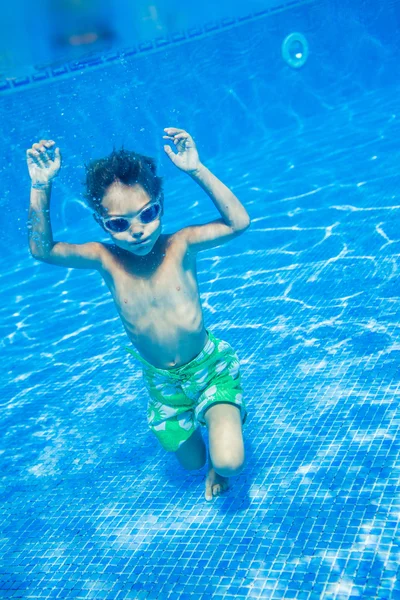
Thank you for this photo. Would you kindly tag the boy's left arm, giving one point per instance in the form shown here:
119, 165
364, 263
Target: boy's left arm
235, 219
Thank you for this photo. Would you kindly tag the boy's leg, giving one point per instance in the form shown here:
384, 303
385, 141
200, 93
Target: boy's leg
226, 446
222, 409
192, 455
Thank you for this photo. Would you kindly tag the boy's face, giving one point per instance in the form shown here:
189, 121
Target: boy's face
127, 201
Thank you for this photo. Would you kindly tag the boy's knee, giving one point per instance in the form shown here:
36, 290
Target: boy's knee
191, 463
229, 469
196, 466
228, 462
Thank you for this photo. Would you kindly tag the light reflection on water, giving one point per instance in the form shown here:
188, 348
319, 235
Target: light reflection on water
309, 297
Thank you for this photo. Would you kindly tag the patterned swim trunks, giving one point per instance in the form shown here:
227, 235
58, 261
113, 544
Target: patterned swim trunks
180, 396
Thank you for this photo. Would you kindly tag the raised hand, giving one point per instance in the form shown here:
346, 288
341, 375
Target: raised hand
186, 158
44, 162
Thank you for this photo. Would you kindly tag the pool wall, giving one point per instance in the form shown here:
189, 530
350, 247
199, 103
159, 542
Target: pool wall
228, 87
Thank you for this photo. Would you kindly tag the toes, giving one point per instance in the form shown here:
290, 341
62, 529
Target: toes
208, 494
216, 489
213, 490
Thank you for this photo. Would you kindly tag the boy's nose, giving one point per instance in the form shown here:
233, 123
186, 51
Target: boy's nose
137, 238
136, 231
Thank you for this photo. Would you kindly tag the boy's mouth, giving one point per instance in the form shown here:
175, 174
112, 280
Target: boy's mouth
140, 243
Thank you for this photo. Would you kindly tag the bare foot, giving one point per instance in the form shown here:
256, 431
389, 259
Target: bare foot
215, 484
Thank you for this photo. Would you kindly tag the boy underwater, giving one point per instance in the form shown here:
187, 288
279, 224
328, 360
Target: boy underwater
192, 377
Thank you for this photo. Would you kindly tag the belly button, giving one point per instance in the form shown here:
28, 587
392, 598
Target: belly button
125, 301
178, 288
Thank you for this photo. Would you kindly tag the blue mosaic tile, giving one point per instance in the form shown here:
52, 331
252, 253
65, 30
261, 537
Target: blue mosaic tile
90, 506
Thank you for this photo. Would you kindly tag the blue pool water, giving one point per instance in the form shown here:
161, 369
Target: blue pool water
91, 506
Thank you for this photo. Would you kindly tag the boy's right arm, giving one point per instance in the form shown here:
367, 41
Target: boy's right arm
42, 169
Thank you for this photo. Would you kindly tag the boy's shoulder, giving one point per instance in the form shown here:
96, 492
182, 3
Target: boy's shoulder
107, 247
177, 239
110, 249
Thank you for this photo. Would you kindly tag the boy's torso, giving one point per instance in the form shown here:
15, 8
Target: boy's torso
159, 305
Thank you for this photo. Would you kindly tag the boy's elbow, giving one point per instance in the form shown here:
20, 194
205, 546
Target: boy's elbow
244, 225
39, 255
34, 252
40, 250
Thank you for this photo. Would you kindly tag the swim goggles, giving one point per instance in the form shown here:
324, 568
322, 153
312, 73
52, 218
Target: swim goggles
121, 224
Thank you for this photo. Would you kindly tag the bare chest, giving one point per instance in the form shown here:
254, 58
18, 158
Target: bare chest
163, 297
171, 286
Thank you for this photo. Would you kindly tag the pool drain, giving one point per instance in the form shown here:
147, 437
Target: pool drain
295, 50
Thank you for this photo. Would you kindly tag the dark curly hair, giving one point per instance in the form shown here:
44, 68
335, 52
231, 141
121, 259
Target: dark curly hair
125, 166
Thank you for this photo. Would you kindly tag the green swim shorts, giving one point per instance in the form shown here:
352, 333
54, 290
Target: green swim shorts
180, 396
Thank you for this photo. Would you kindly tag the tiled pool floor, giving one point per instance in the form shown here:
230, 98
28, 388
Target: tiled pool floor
92, 507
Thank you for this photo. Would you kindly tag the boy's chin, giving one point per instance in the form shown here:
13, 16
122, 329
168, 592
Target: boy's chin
139, 249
